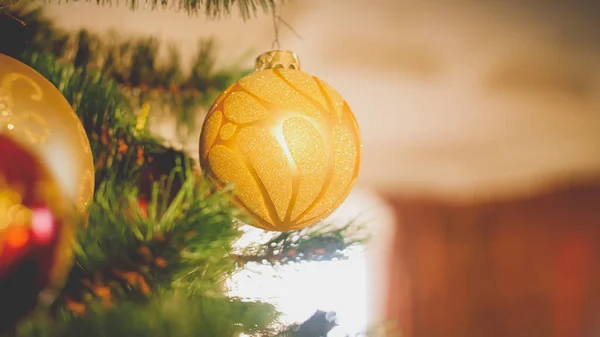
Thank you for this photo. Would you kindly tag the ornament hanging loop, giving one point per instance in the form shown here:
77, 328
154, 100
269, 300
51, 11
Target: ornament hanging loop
275, 44
277, 58
276, 21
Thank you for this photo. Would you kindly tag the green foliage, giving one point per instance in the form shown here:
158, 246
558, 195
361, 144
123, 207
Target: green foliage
210, 8
183, 242
158, 244
104, 112
167, 314
146, 76
136, 65
320, 243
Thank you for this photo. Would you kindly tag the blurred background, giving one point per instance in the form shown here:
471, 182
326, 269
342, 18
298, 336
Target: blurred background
470, 112
462, 99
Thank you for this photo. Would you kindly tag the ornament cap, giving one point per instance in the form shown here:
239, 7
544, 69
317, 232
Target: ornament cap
277, 59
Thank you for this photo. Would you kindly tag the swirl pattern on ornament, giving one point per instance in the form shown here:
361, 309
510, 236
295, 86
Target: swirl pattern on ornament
36, 128
288, 142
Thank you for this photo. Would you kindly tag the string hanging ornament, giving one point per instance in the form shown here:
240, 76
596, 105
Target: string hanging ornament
286, 140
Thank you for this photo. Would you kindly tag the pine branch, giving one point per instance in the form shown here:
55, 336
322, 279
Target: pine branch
130, 250
167, 314
118, 147
126, 156
135, 64
211, 8
154, 226
322, 243
105, 115
182, 238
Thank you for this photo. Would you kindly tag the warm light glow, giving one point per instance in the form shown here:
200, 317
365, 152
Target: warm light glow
11, 209
299, 290
277, 132
42, 225
352, 288
16, 236
32, 212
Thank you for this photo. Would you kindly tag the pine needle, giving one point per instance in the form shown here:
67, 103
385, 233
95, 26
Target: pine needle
211, 8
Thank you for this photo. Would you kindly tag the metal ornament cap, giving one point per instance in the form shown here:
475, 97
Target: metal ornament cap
277, 59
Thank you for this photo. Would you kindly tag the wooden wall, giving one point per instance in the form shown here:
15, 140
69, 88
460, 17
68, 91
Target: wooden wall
521, 268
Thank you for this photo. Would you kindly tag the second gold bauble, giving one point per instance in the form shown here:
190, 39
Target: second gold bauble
286, 140
36, 114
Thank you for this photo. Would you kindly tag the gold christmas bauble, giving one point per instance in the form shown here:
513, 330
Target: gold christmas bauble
35, 113
286, 140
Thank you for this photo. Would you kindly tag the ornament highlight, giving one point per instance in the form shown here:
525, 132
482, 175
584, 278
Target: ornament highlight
36, 233
34, 112
287, 141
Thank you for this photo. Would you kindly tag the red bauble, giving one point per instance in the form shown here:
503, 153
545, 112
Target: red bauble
35, 233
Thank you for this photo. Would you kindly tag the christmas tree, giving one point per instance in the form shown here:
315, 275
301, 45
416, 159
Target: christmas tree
156, 245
